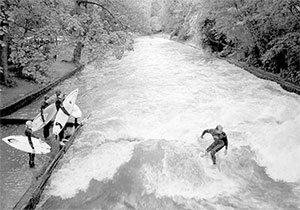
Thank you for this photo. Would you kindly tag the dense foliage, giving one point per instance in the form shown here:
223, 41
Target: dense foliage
29, 37
34, 32
263, 33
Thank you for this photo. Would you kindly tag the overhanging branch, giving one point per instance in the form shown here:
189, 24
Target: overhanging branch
79, 2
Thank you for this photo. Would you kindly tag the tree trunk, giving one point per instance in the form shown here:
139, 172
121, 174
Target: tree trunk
77, 53
78, 48
4, 47
4, 56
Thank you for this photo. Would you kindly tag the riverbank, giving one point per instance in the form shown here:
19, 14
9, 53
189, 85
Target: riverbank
264, 75
253, 70
31, 197
25, 91
24, 87
19, 183
16, 177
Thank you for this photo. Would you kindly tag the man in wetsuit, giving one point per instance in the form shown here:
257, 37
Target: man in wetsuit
46, 129
220, 140
44, 106
59, 104
29, 134
59, 99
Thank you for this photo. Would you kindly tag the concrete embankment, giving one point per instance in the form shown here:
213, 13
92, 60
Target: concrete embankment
257, 72
43, 172
21, 121
29, 97
266, 75
32, 196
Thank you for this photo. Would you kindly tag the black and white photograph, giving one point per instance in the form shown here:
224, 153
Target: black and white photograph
150, 105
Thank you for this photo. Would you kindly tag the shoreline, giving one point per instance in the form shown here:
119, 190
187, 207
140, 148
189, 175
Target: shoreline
14, 105
31, 197
288, 86
16, 161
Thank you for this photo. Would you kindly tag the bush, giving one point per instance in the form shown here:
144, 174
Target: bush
211, 38
283, 57
36, 71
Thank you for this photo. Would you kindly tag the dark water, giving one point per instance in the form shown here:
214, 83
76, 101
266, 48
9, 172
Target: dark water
139, 149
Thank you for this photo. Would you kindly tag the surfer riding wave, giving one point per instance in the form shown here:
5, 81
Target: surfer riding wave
220, 140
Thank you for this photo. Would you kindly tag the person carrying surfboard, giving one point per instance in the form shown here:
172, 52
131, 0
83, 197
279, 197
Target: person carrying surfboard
44, 106
59, 99
220, 140
46, 129
29, 134
59, 104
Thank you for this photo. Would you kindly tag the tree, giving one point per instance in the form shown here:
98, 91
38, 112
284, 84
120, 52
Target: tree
179, 17
34, 31
135, 14
29, 36
94, 27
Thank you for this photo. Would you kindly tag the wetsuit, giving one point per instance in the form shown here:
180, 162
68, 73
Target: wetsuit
58, 102
61, 134
29, 134
59, 105
43, 106
46, 130
220, 140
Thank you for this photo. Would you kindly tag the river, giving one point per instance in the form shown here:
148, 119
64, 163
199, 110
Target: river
139, 148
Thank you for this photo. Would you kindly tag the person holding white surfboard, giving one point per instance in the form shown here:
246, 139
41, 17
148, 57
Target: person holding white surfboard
44, 106
220, 140
46, 129
59, 99
63, 114
29, 134
58, 103
75, 118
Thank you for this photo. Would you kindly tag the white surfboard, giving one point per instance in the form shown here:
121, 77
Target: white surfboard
21, 143
49, 114
61, 116
76, 113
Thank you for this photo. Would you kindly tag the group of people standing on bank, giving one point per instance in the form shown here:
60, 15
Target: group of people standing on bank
58, 99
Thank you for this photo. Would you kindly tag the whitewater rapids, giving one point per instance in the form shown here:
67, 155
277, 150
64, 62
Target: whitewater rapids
139, 149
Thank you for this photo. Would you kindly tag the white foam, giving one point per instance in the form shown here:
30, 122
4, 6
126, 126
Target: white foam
271, 126
266, 117
186, 176
279, 150
146, 96
99, 163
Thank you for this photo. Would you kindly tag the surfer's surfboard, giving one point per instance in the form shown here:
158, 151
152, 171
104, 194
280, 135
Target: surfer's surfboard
208, 162
62, 116
49, 113
21, 143
76, 113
